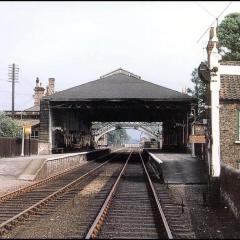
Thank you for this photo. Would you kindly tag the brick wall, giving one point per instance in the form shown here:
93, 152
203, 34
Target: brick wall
44, 145
44, 121
230, 151
229, 187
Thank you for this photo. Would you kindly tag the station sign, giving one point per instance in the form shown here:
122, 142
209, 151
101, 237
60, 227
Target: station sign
199, 129
197, 139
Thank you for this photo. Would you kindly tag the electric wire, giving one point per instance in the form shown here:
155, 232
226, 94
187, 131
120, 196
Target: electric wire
217, 18
205, 9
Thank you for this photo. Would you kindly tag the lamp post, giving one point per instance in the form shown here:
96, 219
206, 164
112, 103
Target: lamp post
193, 114
28, 133
121, 139
158, 138
23, 132
140, 139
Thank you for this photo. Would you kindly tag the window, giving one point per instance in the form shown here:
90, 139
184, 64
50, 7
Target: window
238, 164
34, 134
238, 125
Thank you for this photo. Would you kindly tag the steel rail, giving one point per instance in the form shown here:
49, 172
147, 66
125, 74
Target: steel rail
164, 220
8, 224
92, 233
30, 187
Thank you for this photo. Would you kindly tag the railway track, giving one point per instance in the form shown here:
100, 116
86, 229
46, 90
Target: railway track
111, 198
176, 213
16, 207
132, 208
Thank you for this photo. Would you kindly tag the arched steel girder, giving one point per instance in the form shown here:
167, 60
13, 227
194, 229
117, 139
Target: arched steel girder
144, 127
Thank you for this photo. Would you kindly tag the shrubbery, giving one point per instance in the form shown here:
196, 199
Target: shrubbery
8, 126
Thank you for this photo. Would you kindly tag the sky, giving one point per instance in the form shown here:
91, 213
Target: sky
77, 42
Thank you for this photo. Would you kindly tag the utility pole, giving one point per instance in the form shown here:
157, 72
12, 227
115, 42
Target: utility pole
13, 71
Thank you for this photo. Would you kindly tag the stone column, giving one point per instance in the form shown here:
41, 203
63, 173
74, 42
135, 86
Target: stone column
213, 58
213, 62
50, 127
44, 131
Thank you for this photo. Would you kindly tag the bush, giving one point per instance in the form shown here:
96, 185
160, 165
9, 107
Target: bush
8, 126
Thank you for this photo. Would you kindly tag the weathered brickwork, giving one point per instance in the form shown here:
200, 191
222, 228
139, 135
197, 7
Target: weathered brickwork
230, 185
230, 150
44, 121
43, 144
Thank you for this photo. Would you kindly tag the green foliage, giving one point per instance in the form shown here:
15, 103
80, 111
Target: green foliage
8, 126
118, 136
229, 46
229, 37
199, 91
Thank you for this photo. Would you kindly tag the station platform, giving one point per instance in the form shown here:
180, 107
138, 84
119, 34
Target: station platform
177, 168
13, 168
181, 168
16, 172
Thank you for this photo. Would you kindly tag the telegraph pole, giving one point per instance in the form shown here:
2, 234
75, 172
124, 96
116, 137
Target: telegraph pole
13, 71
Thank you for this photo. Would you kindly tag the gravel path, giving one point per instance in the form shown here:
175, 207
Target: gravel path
207, 222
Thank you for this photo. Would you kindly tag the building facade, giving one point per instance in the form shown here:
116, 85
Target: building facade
30, 116
119, 96
223, 79
230, 113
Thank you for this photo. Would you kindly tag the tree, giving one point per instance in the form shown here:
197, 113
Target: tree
229, 37
199, 91
229, 45
118, 136
8, 126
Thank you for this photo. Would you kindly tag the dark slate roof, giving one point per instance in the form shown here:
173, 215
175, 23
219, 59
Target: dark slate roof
34, 109
230, 87
119, 86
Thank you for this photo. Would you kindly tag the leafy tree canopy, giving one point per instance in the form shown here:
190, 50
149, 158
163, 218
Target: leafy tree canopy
8, 126
229, 46
118, 136
199, 91
229, 37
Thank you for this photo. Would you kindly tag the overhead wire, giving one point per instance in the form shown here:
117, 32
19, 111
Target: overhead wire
23, 104
18, 93
205, 9
216, 19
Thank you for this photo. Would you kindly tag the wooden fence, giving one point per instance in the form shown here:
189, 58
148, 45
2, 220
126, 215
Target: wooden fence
10, 147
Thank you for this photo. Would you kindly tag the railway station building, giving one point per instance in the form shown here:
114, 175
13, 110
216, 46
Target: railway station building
120, 96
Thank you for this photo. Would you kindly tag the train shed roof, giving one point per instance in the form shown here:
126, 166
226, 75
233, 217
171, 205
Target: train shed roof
119, 84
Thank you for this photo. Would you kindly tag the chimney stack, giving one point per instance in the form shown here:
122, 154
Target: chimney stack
39, 93
50, 87
212, 48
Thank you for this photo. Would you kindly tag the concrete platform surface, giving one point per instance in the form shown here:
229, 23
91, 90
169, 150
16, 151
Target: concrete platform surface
16, 172
13, 167
13, 170
182, 168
